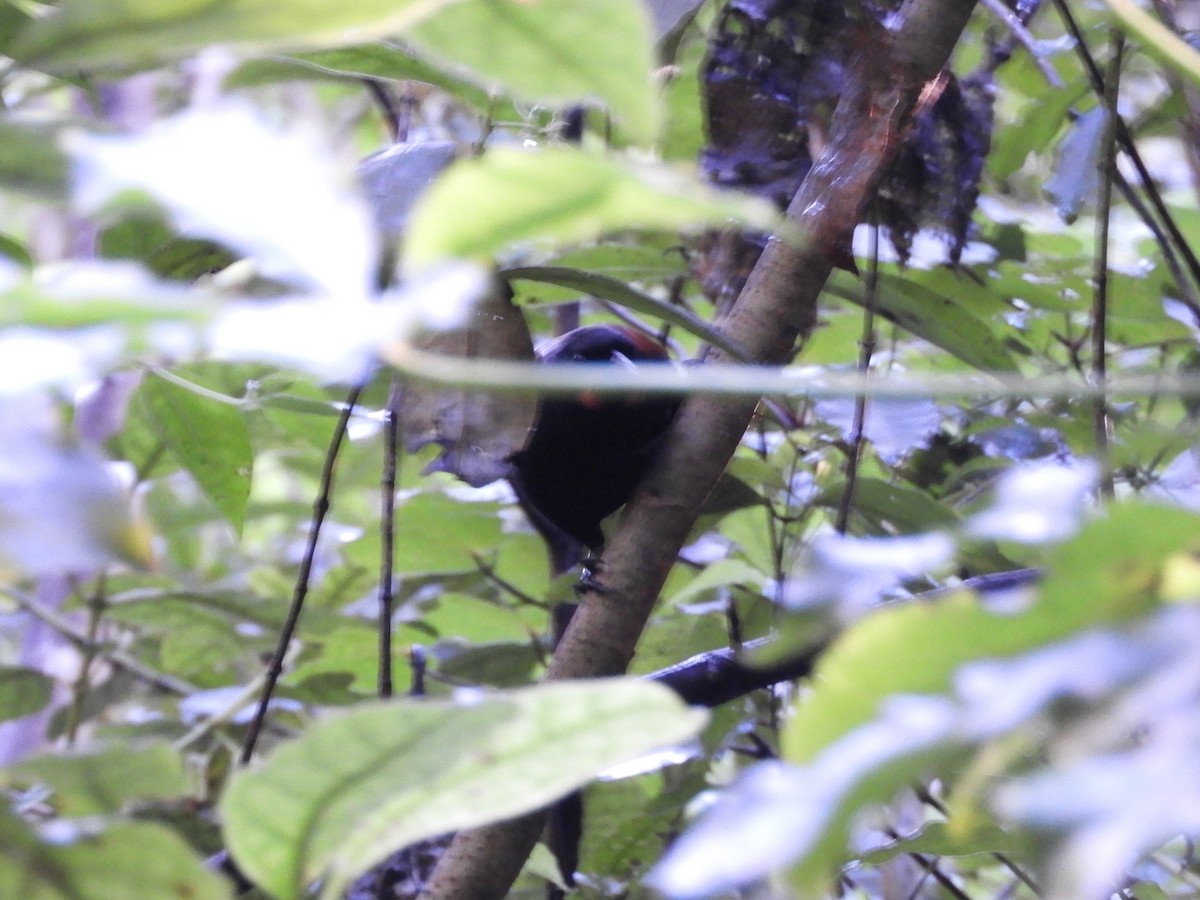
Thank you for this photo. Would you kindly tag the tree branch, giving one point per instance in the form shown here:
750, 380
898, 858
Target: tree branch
777, 306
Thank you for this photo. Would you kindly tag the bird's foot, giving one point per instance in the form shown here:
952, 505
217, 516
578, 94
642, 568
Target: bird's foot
588, 578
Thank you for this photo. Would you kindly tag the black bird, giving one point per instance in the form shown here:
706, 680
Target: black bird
586, 454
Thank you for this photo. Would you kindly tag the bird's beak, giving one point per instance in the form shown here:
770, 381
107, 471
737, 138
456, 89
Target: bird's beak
622, 360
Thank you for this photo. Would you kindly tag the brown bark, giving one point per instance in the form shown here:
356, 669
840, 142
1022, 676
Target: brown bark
777, 306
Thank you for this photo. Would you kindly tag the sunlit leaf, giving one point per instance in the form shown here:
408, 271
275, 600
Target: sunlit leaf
894, 427
1158, 39
1128, 797
127, 34
384, 60
87, 293
382, 776
1098, 578
560, 196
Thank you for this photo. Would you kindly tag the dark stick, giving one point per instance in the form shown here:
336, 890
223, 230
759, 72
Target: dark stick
320, 508
391, 450
866, 349
1102, 423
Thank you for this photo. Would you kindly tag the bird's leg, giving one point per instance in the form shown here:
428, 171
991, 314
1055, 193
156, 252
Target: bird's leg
589, 573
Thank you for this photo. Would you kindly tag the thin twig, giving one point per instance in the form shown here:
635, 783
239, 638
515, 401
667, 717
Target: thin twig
393, 113
1163, 240
488, 571
1101, 423
1004, 859
1023, 37
96, 606
1130, 149
240, 701
320, 508
391, 452
931, 867
416, 662
113, 656
866, 349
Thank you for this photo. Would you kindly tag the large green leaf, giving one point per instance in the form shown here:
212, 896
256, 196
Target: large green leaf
1098, 578
934, 317
208, 437
556, 52
362, 784
891, 508
631, 298
127, 860
561, 196
127, 34
87, 784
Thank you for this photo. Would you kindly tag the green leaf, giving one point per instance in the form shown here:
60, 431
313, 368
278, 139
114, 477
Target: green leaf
98, 783
30, 162
932, 316
891, 508
1100, 577
1158, 40
631, 298
128, 34
382, 776
1041, 120
556, 52
128, 860
561, 196
380, 60
208, 437
437, 534
22, 692
38, 301
351, 650
943, 840
466, 618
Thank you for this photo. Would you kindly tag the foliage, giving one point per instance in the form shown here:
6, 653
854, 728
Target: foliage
199, 257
